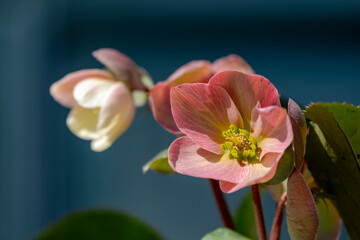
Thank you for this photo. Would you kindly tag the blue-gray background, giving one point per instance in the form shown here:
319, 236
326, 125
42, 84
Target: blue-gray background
309, 49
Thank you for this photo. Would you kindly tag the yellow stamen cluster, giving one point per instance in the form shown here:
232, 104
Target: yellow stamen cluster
240, 144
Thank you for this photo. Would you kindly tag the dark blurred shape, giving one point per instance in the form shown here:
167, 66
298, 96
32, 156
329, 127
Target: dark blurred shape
99, 224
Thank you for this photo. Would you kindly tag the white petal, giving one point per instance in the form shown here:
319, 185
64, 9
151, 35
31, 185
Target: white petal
82, 122
101, 144
91, 93
115, 116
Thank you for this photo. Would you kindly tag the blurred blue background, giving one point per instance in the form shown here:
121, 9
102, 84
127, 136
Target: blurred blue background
309, 49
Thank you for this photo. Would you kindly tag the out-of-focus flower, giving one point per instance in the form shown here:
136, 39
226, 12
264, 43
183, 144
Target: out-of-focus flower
236, 131
101, 102
193, 72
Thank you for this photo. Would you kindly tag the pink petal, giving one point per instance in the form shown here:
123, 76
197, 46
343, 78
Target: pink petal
258, 173
186, 157
159, 99
121, 65
202, 112
115, 117
192, 72
62, 90
246, 90
231, 62
272, 129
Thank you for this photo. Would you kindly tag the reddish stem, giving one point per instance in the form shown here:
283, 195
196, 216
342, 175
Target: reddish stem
302, 166
259, 216
221, 203
276, 227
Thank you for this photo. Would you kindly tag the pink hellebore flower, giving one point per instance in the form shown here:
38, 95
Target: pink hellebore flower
236, 131
193, 72
101, 103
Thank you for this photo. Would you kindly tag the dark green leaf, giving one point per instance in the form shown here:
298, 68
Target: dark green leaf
284, 168
99, 224
348, 119
159, 163
340, 124
224, 234
244, 218
302, 218
332, 150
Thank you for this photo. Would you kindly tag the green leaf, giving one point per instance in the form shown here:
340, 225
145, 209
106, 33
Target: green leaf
145, 78
99, 224
244, 219
347, 117
224, 234
276, 190
332, 157
340, 124
298, 123
140, 97
302, 218
159, 163
330, 221
284, 168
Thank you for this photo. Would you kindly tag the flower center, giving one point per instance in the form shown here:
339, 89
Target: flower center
240, 144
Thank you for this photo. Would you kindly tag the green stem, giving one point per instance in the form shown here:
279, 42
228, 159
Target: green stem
221, 203
259, 216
